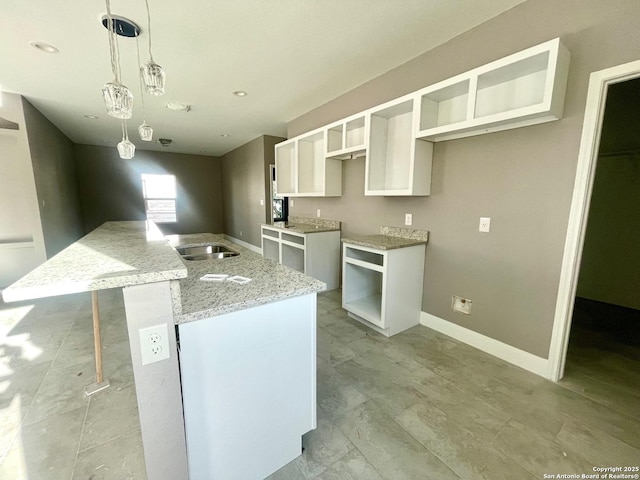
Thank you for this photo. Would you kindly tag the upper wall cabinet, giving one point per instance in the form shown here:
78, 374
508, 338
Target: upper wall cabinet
303, 170
397, 163
522, 89
347, 138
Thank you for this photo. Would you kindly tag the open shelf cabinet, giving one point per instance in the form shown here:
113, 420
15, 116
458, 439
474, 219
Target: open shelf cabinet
522, 89
304, 169
286, 168
347, 138
397, 163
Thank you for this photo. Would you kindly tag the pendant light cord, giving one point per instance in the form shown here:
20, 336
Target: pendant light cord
144, 113
148, 28
125, 134
112, 48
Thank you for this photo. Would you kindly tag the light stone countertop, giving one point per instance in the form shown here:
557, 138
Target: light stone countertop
120, 254
306, 225
270, 281
390, 238
116, 254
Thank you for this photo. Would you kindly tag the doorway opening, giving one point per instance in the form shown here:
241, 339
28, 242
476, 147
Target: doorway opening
603, 354
600, 85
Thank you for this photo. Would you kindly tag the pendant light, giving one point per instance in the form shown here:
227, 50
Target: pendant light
126, 149
144, 130
118, 99
152, 74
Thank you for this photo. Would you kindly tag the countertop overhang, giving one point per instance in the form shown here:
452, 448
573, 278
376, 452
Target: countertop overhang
116, 254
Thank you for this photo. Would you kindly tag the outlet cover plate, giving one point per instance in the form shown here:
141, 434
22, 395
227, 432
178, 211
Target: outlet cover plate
462, 305
485, 224
408, 219
154, 344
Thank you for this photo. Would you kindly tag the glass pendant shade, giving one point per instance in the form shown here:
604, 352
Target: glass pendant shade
153, 78
118, 99
146, 132
126, 149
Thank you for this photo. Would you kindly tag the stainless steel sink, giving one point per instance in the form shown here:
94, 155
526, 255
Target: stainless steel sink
212, 251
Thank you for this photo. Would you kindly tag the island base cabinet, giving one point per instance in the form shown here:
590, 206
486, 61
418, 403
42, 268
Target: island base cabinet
249, 388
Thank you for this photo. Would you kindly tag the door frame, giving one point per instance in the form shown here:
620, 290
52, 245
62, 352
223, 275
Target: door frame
585, 172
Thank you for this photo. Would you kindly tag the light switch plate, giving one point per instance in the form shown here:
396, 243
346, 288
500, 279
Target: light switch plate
485, 224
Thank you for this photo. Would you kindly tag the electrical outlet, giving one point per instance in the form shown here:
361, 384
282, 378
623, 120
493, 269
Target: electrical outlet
240, 232
462, 305
408, 218
154, 344
261, 202
485, 225
318, 213
291, 202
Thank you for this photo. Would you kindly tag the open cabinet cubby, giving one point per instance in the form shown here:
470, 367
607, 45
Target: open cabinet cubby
397, 163
302, 169
286, 173
346, 139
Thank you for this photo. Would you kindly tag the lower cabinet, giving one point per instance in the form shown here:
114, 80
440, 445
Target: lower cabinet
315, 254
383, 288
248, 388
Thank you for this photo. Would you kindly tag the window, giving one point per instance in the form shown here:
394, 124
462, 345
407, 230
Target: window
159, 193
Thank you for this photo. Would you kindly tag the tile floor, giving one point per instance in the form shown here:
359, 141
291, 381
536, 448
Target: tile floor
417, 406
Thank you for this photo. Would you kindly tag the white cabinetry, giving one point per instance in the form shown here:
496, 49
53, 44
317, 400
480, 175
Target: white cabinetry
397, 163
303, 170
383, 288
347, 138
522, 89
314, 254
249, 388
286, 168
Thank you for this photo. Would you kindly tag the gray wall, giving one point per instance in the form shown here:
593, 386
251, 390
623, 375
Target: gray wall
244, 174
522, 178
54, 171
610, 268
111, 189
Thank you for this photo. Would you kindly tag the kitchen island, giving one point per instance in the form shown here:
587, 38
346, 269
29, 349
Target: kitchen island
237, 390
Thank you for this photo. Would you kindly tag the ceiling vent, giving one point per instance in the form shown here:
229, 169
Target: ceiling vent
165, 142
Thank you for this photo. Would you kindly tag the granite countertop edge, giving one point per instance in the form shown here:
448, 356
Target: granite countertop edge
302, 228
383, 242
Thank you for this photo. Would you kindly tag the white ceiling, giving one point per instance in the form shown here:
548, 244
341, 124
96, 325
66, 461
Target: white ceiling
289, 55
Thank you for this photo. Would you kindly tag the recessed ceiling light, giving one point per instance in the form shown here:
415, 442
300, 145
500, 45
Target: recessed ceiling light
225, 135
240, 93
91, 117
178, 106
44, 47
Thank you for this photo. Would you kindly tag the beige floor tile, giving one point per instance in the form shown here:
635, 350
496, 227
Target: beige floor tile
119, 459
467, 454
111, 414
45, 450
392, 451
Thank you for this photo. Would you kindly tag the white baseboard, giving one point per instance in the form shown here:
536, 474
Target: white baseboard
250, 246
526, 360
